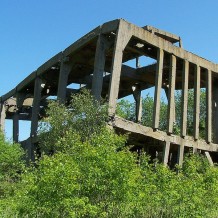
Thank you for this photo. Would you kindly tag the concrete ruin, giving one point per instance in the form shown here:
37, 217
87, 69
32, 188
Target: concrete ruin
98, 60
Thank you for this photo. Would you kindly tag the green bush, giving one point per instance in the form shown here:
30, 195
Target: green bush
91, 173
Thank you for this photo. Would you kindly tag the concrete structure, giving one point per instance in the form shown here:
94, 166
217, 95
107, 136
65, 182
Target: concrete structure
97, 61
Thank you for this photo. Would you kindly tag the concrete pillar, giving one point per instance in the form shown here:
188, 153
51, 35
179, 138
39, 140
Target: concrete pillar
184, 98
122, 37
16, 126
138, 102
63, 80
35, 116
20, 97
99, 65
166, 151
197, 93
180, 155
158, 86
2, 116
171, 98
215, 110
209, 107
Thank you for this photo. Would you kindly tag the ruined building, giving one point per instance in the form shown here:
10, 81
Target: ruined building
102, 61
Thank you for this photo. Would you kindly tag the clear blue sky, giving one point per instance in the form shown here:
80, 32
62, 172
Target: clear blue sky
31, 32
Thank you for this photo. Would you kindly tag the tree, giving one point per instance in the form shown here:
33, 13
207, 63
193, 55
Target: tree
11, 166
126, 109
95, 175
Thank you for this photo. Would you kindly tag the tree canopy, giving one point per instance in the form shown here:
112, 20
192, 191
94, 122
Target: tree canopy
86, 170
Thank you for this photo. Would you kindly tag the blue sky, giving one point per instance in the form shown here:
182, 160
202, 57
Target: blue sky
31, 32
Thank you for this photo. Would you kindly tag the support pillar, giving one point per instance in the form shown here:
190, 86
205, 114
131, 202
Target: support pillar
171, 104
99, 65
35, 115
138, 101
197, 94
63, 80
158, 86
3, 116
166, 151
215, 110
20, 97
209, 107
180, 156
122, 38
16, 127
184, 98
207, 154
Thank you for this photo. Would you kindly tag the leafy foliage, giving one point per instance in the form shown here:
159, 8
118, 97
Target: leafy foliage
95, 174
84, 116
126, 110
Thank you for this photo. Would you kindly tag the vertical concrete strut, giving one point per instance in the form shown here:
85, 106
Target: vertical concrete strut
180, 156
158, 85
97, 80
3, 115
20, 97
197, 101
63, 80
171, 105
35, 115
123, 36
184, 98
166, 151
138, 102
209, 106
16, 126
215, 110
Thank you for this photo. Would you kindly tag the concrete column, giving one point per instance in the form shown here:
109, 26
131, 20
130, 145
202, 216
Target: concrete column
171, 98
99, 65
20, 97
197, 93
63, 80
180, 155
166, 151
35, 116
209, 107
215, 110
3, 116
158, 86
122, 37
184, 98
36, 106
138, 101
16, 127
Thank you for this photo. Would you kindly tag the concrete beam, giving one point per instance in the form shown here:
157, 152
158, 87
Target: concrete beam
27, 81
188, 141
82, 41
149, 38
50, 63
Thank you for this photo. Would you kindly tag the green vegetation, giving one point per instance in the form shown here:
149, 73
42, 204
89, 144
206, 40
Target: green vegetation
85, 170
126, 109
